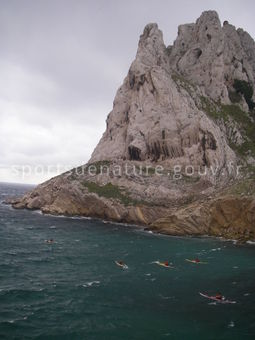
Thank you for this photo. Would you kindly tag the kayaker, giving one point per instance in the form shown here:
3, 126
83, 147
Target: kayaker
197, 260
166, 263
219, 296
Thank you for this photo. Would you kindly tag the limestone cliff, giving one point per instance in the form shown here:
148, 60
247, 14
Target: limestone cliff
182, 121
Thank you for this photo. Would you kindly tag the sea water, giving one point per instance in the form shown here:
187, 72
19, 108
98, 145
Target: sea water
72, 288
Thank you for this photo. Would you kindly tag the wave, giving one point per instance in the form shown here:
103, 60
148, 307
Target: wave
121, 224
251, 242
215, 249
90, 284
62, 216
231, 324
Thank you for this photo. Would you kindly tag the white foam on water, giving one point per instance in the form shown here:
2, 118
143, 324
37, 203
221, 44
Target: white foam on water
79, 217
12, 252
90, 284
37, 212
231, 324
121, 224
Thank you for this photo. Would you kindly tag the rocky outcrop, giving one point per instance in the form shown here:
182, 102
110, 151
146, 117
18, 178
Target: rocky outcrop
230, 217
183, 114
154, 116
212, 56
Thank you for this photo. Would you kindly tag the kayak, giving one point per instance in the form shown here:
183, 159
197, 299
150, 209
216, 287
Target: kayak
193, 261
122, 265
213, 298
163, 264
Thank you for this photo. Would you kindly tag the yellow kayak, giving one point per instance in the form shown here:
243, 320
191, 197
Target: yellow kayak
121, 264
163, 264
196, 262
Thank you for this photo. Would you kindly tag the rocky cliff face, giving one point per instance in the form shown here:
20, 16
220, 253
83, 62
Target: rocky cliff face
191, 106
158, 114
212, 56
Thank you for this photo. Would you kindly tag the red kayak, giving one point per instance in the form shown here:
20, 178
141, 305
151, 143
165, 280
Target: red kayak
213, 298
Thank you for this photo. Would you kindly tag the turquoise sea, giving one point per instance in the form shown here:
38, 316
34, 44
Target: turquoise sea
72, 289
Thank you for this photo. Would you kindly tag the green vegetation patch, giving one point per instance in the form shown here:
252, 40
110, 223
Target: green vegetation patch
210, 107
110, 191
183, 82
219, 111
246, 125
245, 187
234, 96
244, 88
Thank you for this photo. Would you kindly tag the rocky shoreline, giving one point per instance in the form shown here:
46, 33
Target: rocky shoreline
227, 215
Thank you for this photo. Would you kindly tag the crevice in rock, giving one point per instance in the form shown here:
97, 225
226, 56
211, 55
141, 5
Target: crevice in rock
126, 117
198, 52
141, 81
131, 78
207, 142
209, 37
134, 153
203, 143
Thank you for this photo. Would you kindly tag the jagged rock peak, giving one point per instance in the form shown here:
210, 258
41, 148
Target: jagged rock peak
209, 18
151, 49
150, 30
154, 119
152, 36
212, 56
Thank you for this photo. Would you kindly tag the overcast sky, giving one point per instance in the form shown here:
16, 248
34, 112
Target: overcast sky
61, 62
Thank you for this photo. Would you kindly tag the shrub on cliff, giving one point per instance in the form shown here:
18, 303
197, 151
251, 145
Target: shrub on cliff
244, 88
